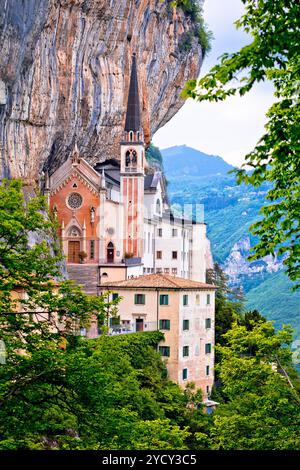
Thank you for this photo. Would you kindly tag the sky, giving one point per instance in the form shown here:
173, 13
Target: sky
229, 129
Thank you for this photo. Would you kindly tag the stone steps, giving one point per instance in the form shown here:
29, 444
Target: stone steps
84, 275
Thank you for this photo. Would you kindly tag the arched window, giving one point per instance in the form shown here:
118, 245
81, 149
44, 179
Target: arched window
130, 136
158, 207
138, 135
131, 157
110, 252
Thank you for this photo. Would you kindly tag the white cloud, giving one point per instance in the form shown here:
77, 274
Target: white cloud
231, 128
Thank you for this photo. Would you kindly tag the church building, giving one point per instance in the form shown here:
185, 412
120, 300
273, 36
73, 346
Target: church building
116, 225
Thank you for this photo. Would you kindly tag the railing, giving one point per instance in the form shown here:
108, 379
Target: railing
129, 169
131, 328
131, 261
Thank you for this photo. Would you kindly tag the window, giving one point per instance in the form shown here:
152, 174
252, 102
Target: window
174, 232
159, 232
92, 249
167, 270
207, 323
114, 321
158, 207
184, 374
115, 296
164, 351
174, 270
158, 270
75, 200
164, 324
207, 370
208, 348
164, 299
186, 324
185, 351
197, 299
208, 299
185, 300
207, 389
139, 299
174, 254
159, 255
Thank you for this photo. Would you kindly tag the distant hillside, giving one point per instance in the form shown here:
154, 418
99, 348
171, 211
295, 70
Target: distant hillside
274, 300
184, 161
229, 210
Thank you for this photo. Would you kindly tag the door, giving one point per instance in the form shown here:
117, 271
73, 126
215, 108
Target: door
73, 251
110, 253
139, 324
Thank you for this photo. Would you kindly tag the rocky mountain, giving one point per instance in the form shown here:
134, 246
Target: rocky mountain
64, 66
237, 266
193, 163
229, 210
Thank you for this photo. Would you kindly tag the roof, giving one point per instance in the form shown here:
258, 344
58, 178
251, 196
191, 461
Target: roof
161, 281
133, 121
151, 180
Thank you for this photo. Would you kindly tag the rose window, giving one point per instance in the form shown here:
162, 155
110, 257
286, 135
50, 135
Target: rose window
75, 200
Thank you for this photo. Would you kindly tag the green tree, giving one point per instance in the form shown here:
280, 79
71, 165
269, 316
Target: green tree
261, 408
40, 312
272, 55
228, 305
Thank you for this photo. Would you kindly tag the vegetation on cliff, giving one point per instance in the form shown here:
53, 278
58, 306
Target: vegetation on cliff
194, 10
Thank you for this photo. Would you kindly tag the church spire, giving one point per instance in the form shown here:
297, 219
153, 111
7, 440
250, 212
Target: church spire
133, 120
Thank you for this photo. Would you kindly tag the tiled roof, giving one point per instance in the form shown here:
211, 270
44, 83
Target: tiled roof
161, 281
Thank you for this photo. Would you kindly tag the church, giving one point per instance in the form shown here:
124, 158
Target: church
115, 219
119, 234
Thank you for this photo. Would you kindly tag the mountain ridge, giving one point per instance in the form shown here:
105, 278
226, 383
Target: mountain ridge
230, 209
195, 161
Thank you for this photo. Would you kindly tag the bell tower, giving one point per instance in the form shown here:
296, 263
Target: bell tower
132, 171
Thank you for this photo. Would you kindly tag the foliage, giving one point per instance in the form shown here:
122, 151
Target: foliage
228, 305
194, 10
261, 408
109, 393
39, 311
154, 157
273, 54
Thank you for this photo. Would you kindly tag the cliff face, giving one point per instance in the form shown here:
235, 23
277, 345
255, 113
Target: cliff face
64, 74
237, 265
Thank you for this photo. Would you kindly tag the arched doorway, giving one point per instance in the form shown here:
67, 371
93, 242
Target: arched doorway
73, 245
110, 252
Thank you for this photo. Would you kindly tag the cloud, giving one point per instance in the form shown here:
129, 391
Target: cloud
231, 128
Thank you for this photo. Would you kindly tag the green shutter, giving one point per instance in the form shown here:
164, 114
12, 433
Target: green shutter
164, 324
164, 299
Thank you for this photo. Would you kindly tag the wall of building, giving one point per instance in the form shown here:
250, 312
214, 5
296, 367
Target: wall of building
168, 243
197, 311
77, 217
198, 253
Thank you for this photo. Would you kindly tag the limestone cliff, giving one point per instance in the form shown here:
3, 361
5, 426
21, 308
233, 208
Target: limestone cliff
64, 67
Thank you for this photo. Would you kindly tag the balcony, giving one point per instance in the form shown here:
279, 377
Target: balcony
132, 261
132, 328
